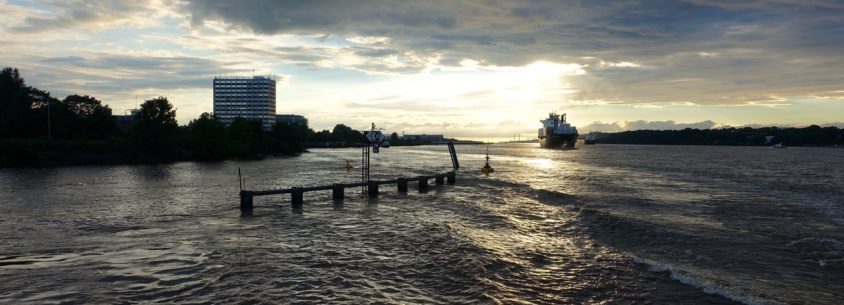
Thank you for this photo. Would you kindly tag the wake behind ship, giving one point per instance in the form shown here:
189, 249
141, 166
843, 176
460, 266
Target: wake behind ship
556, 132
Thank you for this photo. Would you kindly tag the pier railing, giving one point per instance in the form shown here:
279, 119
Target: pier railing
338, 189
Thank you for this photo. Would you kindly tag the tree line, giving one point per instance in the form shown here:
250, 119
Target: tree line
36, 128
813, 135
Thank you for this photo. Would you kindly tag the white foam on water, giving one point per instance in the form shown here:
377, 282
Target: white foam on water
706, 286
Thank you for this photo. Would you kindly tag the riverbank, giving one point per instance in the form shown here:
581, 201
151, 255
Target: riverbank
39, 152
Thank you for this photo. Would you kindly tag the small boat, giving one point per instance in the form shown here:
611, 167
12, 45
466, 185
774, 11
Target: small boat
779, 145
487, 169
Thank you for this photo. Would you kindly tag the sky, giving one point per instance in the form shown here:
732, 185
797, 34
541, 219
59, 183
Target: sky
468, 69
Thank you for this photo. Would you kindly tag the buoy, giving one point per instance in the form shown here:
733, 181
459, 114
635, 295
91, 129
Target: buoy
348, 165
487, 169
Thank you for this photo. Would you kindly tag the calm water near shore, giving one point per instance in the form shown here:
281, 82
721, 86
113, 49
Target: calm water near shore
603, 224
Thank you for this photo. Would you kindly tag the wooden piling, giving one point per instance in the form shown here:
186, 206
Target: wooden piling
337, 192
245, 200
402, 184
423, 183
453, 153
373, 189
451, 177
439, 179
296, 197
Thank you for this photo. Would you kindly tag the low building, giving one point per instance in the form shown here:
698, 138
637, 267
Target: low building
424, 138
124, 122
292, 119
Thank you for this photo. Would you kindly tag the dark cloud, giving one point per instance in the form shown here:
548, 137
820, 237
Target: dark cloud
698, 51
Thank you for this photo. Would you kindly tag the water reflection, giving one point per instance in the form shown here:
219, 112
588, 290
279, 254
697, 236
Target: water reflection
579, 226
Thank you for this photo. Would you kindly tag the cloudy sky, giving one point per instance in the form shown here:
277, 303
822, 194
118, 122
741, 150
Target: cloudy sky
470, 69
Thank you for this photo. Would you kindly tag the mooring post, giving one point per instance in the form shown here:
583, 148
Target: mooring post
439, 179
453, 153
337, 192
245, 200
296, 197
373, 189
402, 183
423, 183
451, 177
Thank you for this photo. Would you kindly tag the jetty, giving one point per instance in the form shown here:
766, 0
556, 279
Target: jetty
368, 186
338, 189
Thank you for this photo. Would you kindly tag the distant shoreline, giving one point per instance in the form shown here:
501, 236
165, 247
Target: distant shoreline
65, 159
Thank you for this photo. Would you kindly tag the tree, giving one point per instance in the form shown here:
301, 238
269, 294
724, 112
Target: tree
320, 136
15, 105
246, 138
93, 119
154, 131
285, 138
208, 138
46, 116
346, 134
394, 137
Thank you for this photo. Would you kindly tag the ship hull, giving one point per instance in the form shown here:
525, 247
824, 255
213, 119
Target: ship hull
558, 141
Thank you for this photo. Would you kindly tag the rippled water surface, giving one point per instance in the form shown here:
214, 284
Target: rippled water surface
603, 224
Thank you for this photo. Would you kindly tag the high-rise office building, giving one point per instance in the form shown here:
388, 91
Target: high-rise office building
248, 98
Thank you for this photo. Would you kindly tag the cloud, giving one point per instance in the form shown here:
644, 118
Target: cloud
704, 52
474, 130
672, 125
126, 72
644, 125
93, 15
419, 61
118, 78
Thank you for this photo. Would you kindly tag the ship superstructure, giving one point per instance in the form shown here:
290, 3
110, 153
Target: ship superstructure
556, 132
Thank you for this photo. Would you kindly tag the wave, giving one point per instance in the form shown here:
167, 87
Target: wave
705, 285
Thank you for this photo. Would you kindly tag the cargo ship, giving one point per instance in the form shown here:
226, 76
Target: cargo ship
556, 132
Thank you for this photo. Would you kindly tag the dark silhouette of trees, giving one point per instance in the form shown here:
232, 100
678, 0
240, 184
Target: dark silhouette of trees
319, 136
81, 124
394, 137
285, 138
207, 139
92, 119
18, 107
26, 112
154, 133
813, 135
343, 133
241, 138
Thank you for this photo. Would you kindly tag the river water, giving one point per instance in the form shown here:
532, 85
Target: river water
602, 224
